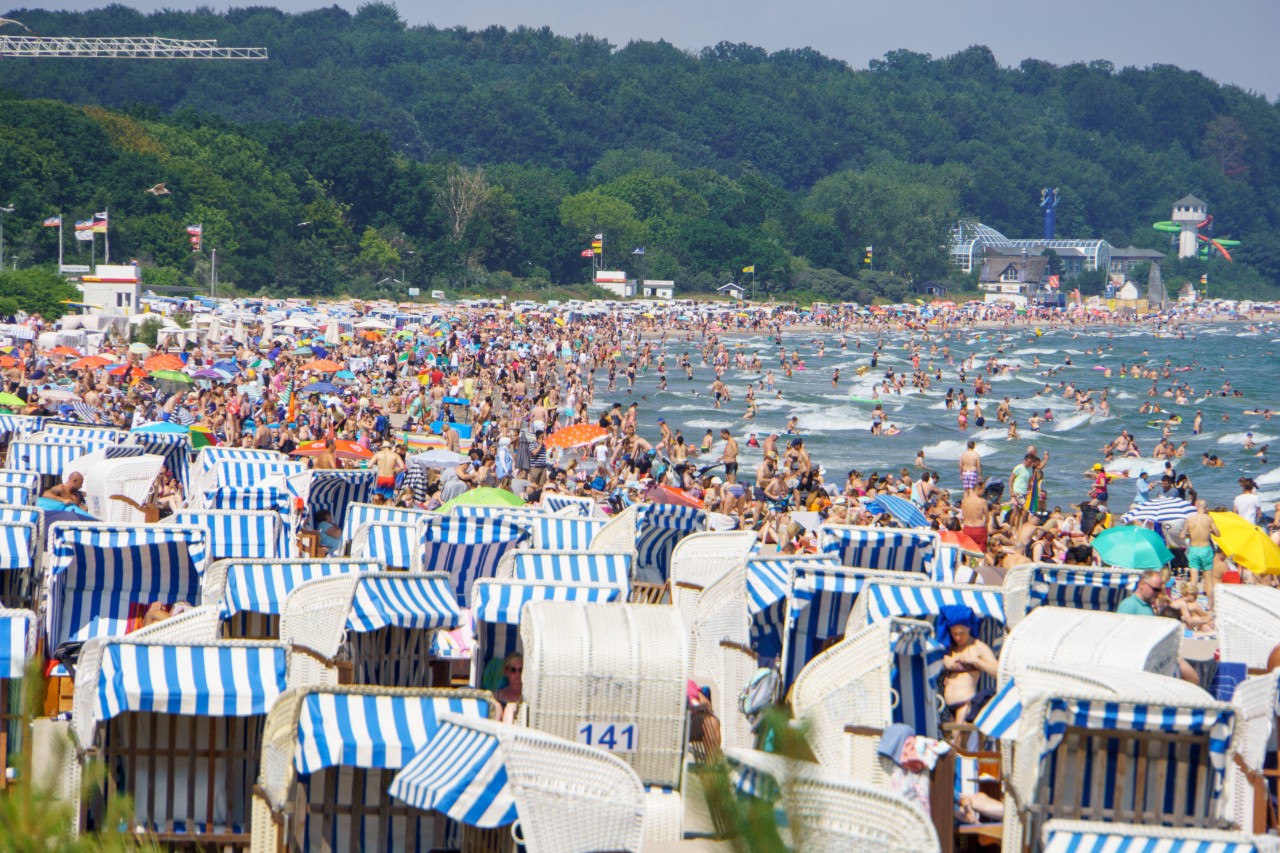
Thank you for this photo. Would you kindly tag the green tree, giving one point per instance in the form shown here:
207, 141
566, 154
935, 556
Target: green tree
38, 291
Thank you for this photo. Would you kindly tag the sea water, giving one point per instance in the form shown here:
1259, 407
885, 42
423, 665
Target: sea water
837, 428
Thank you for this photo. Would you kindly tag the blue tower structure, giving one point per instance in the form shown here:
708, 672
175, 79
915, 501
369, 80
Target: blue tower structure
1049, 204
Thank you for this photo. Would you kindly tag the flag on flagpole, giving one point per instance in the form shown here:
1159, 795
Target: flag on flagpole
587, 253
750, 269
196, 232
598, 237
1204, 279
1053, 282
53, 222
84, 225
99, 225
638, 251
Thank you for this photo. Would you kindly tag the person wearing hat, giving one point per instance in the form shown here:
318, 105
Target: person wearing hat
1099, 492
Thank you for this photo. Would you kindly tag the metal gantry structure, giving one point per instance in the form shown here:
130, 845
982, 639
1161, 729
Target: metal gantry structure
122, 47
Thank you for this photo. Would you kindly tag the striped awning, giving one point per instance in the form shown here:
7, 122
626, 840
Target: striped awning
502, 600
999, 718
573, 568
403, 600
814, 585
1081, 588
768, 580
237, 535
1120, 839
881, 548
336, 490
15, 632
371, 731
659, 528
565, 534
214, 680
262, 586
18, 542
919, 601
461, 774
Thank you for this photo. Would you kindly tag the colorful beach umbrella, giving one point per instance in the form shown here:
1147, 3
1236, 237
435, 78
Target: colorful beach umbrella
163, 361
1246, 543
89, 362
577, 435
11, 401
171, 376
8, 361
1163, 509
322, 365
161, 428
483, 496
904, 511
321, 388
1132, 547
676, 497
202, 437
63, 350
342, 448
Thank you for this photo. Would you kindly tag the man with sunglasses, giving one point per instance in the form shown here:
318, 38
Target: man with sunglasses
1139, 602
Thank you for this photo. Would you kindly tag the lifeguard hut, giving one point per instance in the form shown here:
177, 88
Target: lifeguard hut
1190, 213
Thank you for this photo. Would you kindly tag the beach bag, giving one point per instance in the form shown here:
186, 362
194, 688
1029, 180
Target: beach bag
758, 695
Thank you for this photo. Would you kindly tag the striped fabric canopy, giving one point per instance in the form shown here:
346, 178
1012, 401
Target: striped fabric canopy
242, 473
48, 458
881, 548
921, 601
389, 542
1002, 718
175, 448
1161, 510
659, 528
20, 424
101, 573
391, 599
261, 586
21, 515
501, 601
1111, 838
238, 535
103, 435
250, 498
555, 503
917, 663
554, 533
17, 495
336, 490
18, 544
371, 731
819, 611
461, 773
903, 511
1080, 587
769, 580
468, 548
214, 680
612, 569
16, 638
363, 513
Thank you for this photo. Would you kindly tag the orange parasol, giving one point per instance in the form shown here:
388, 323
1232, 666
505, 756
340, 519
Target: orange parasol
163, 361
577, 435
63, 350
8, 361
961, 540
89, 362
322, 365
342, 449
668, 495
127, 370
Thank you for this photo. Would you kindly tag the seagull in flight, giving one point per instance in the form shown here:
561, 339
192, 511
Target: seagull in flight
159, 189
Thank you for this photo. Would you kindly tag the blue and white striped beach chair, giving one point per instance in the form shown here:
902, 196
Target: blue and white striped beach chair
179, 729
20, 550
499, 603
11, 425
556, 533
174, 448
382, 622
1112, 745
204, 476
19, 636
585, 507
1072, 836
658, 528
103, 576
881, 548
49, 456
19, 488
79, 432
468, 549
334, 491
566, 795
360, 514
330, 755
875, 677
239, 534
250, 594
1033, 585
572, 567
398, 546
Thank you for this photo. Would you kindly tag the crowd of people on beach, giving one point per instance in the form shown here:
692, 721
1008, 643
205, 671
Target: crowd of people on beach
500, 393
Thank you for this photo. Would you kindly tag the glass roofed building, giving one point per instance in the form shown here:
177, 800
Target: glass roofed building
972, 241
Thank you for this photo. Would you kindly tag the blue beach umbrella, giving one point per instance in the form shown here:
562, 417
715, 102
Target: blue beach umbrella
904, 511
321, 388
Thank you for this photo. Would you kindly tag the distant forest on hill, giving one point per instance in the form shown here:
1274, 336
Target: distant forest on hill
486, 160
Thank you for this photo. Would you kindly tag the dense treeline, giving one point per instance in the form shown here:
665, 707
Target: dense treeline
452, 156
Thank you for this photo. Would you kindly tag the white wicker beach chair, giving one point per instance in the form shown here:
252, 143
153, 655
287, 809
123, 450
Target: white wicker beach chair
720, 650
829, 811
564, 797
699, 560
1081, 836
131, 477
618, 536
1111, 744
1256, 700
885, 673
176, 732
1248, 622
329, 755
19, 638
614, 677
1080, 587
1080, 639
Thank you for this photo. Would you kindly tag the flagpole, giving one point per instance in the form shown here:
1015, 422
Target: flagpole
59, 243
106, 237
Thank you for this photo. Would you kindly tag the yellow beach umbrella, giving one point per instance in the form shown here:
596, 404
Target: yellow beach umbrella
1246, 543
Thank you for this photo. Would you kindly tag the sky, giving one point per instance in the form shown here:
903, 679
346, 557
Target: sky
1231, 41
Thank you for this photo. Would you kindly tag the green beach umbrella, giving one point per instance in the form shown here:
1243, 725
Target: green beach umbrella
260, 363
11, 401
172, 376
483, 497
1132, 547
